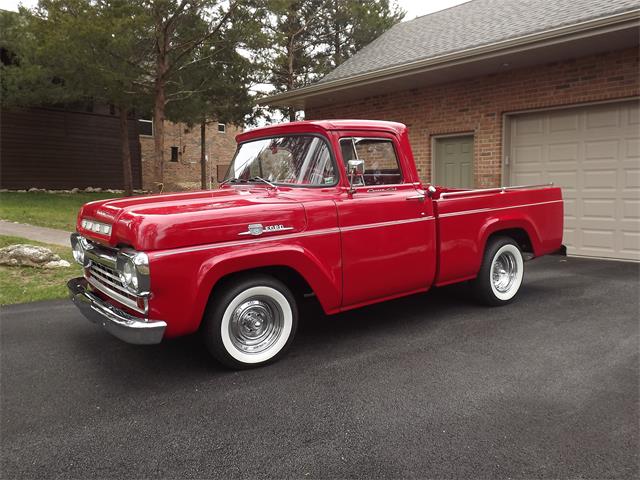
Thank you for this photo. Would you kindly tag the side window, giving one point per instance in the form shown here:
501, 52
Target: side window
381, 165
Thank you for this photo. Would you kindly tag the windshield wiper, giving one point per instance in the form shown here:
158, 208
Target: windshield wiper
232, 180
260, 179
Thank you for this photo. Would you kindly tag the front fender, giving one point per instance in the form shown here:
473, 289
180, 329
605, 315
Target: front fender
182, 281
323, 278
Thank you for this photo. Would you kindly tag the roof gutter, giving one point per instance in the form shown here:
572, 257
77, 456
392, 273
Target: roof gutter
526, 42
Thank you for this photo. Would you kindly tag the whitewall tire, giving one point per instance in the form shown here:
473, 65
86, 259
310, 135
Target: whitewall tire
502, 271
250, 322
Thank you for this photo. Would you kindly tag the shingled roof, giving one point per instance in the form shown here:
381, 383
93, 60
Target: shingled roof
469, 25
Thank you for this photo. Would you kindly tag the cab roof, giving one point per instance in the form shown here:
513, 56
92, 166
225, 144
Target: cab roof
319, 126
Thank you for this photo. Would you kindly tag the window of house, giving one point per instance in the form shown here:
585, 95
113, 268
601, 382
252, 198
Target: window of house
381, 165
222, 128
174, 154
145, 127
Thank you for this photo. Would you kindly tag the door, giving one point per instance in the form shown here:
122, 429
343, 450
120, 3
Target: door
593, 153
387, 226
454, 161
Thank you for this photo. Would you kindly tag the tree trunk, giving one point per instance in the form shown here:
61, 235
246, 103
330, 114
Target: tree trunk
126, 152
203, 155
158, 135
291, 74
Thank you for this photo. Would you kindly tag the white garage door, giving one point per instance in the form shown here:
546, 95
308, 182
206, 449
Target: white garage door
593, 153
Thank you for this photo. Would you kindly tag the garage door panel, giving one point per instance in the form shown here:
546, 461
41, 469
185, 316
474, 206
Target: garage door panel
531, 124
564, 122
632, 148
570, 212
529, 154
631, 244
604, 152
568, 180
593, 153
563, 152
632, 179
599, 209
600, 180
529, 179
599, 117
631, 208
598, 239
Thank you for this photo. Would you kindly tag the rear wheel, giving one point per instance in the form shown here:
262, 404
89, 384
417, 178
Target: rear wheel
501, 273
250, 322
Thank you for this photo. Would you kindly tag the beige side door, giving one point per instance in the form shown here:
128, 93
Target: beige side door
454, 161
593, 153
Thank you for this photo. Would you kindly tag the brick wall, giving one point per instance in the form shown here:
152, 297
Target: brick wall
185, 173
477, 105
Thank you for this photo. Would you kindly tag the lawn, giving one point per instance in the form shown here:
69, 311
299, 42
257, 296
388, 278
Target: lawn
54, 210
28, 284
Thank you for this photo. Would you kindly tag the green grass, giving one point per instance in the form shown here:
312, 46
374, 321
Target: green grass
29, 284
53, 210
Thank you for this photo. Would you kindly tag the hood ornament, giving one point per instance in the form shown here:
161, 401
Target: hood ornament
256, 229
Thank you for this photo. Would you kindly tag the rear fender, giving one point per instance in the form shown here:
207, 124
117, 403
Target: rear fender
495, 224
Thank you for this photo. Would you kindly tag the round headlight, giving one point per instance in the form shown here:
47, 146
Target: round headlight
78, 253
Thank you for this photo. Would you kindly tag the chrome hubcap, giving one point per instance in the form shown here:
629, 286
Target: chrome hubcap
504, 272
256, 324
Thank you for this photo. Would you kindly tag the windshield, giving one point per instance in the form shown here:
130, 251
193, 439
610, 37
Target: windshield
290, 160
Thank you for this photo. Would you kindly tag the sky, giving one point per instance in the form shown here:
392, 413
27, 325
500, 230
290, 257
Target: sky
417, 8
414, 8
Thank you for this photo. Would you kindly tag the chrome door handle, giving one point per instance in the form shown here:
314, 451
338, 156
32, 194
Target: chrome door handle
420, 197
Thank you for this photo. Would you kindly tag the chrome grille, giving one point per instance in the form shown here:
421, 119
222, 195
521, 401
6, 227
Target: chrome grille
107, 280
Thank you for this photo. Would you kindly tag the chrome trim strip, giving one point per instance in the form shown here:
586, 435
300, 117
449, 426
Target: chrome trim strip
116, 296
385, 224
446, 195
234, 243
312, 233
482, 210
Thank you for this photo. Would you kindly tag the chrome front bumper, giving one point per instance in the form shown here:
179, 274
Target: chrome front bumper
117, 322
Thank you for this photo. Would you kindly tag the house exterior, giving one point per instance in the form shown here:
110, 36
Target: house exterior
182, 153
511, 92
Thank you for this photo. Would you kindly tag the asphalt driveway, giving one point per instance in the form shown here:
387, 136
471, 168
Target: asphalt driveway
431, 386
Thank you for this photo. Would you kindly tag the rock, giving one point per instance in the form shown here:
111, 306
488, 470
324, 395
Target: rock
4, 190
31, 256
33, 189
75, 190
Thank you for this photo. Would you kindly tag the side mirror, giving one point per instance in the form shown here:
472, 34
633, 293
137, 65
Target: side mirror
354, 167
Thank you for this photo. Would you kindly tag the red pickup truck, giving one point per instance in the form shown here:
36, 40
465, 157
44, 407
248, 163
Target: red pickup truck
333, 209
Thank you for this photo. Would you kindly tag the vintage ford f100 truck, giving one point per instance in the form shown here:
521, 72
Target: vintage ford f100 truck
330, 208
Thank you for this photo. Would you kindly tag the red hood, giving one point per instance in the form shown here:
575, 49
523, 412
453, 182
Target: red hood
186, 219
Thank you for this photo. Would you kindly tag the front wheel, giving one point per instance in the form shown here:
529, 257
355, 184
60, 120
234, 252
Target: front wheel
501, 273
250, 322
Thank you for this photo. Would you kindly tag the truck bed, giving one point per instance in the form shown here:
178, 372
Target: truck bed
467, 218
